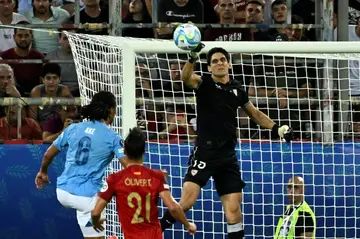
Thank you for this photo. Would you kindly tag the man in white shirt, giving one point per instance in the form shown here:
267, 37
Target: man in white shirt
354, 75
43, 13
7, 16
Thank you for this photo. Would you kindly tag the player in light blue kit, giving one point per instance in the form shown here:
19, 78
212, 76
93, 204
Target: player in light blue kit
91, 147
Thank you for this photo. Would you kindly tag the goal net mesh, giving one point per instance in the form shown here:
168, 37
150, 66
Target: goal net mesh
310, 98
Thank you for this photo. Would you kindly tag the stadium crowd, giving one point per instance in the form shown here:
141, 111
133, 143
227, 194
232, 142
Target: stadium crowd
279, 79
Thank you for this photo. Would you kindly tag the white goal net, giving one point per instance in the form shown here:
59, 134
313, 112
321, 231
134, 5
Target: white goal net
305, 85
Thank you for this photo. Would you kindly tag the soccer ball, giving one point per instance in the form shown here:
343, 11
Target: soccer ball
187, 36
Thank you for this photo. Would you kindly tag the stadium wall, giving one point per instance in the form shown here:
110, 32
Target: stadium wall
331, 175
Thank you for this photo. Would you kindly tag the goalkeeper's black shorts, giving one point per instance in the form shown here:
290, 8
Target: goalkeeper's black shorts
223, 166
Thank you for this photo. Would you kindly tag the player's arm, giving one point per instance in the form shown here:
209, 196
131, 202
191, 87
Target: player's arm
48, 157
42, 177
96, 219
174, 208
191, 79
264, 121
118, 149
105, 196
61, 142
258, 117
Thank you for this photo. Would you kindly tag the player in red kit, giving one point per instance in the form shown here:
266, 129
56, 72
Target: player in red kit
137, 190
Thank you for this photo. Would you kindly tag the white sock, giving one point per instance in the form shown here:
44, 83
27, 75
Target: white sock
235, 227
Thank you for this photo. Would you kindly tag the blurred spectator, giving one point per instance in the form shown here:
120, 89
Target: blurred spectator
283, 80
93, 13
23, 5
279, 15
27, 74
104, 4
30, 129
175, 87
354, 13
7, 84
69, 6
150, 119
354, 76
51, 87
68, 70
178, 11
239, 9
143, 84
177, 126
43, 13
305, 9
138, 13
147, 114
297, 34
279, 11
125, 7
209, 9
8, 16
254, 14
58, 122
227, 12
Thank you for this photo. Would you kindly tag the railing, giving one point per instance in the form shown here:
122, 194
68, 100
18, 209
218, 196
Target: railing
22, 101
115, 24
44, 101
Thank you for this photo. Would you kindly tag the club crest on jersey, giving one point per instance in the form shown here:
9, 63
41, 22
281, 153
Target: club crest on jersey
193, 172
104, 187
235, 92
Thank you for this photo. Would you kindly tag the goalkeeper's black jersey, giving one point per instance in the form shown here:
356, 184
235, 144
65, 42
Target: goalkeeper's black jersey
217, 106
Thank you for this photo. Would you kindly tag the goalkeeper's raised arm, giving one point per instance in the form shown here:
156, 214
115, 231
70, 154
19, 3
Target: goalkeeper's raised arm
187, 73
218, 98
193, 81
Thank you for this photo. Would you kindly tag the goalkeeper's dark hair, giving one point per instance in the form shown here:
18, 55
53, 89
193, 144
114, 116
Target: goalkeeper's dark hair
134, 144
99, 107
217, 50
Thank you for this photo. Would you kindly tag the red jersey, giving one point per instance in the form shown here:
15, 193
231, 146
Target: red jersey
29, 130
137, 189
27, 75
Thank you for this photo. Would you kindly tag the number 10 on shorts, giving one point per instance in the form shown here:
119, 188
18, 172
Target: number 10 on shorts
199, 164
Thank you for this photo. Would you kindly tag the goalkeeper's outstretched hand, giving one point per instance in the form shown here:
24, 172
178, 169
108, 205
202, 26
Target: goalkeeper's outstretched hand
286, 133
194, 53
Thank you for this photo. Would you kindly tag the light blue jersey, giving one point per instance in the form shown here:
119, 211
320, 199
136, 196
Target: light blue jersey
91, 147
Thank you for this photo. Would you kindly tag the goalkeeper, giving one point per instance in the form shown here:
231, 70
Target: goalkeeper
218, 98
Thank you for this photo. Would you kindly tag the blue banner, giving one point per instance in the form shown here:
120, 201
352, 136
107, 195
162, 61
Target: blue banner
331, 175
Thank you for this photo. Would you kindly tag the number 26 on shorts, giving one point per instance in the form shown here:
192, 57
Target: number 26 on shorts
199, 164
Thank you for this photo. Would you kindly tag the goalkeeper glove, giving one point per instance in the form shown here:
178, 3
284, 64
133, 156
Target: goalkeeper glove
194, 53
284, 132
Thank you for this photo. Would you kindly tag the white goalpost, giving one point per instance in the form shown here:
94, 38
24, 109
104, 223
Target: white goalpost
144, 76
